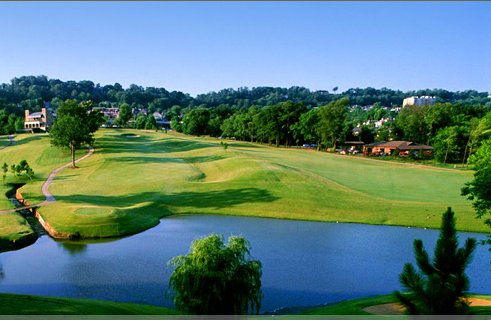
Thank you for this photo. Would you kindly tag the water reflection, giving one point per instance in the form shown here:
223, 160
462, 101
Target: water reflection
304, 263
73, 248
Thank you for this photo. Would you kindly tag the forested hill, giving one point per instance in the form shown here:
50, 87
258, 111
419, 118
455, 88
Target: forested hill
33, 91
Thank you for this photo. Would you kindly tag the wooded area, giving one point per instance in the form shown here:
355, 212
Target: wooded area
279, 116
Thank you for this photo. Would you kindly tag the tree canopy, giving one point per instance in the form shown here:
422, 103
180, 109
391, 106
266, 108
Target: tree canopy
479, 189
74, 126
214, 278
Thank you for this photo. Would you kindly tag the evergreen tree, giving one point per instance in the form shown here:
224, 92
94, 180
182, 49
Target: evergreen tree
440, 287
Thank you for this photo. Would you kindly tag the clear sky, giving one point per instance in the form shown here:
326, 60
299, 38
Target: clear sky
197, 47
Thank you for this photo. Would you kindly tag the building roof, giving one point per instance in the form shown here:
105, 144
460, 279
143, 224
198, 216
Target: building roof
35, 115
401, 145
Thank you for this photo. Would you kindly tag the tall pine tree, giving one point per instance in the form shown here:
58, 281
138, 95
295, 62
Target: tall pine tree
440, 287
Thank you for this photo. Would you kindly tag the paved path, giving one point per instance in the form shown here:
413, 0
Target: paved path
397, 309
49, 197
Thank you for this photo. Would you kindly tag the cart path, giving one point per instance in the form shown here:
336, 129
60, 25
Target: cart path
45, 188
397, 309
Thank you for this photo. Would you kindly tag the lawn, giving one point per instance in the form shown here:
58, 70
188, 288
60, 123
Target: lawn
357, 306
137, 177
42, 158
17, 304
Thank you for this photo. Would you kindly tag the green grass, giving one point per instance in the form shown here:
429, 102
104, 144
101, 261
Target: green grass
16, 304
136, 177
356, 306
43, 159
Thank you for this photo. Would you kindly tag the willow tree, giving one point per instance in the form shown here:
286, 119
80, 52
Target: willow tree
440, 288
74, 126
214, 278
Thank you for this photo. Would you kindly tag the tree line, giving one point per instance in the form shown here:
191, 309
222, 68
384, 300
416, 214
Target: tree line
34, 92
454, 130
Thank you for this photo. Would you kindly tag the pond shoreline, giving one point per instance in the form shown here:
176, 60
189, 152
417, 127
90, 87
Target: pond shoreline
304, 263
19, 240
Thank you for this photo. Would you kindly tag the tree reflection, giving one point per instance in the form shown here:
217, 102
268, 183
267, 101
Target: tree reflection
73, 248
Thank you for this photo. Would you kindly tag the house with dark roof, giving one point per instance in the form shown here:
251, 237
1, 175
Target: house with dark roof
38, 120
388, 147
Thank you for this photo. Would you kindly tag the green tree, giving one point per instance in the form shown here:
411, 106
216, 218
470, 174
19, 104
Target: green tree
24, 168
435, 118
19, 124
332, 118
73, 127
195, 122
150, 123
125, 114
140, 121
307, 129
479, 189
176, 124
446, 144
440, 287
410, 122
478, 129
174, 112
269, 125
5, 169
289, 113
214, 278
224, 145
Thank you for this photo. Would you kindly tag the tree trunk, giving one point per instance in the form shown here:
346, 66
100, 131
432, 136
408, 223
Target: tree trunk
446, 153
73, 156
465, 150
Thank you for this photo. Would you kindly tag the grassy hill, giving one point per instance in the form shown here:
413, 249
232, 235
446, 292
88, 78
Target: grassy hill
19, 304
43, 159
137, 177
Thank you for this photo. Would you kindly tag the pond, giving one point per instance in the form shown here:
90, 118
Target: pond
304, 263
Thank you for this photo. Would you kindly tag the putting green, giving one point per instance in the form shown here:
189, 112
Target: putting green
137, 177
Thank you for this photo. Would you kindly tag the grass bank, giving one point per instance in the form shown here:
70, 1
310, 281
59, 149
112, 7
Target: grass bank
357, 306
15, 232
16, 304
135, 178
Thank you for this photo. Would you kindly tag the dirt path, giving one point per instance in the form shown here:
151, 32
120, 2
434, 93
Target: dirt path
45, 188
397, 309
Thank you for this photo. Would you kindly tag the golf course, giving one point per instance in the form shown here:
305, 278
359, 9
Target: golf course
135, 178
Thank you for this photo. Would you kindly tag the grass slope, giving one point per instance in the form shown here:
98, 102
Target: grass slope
16, 304
43, 159
356, 306
135, 178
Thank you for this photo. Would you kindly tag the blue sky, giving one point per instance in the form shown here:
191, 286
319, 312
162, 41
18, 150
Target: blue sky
197, 47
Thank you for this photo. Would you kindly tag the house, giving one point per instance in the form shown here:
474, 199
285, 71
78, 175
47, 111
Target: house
388, 147
38, 120
161, 120
110, 113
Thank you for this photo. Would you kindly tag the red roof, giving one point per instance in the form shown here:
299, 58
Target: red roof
401, 145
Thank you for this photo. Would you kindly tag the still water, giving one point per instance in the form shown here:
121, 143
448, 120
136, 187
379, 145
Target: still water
304, 263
